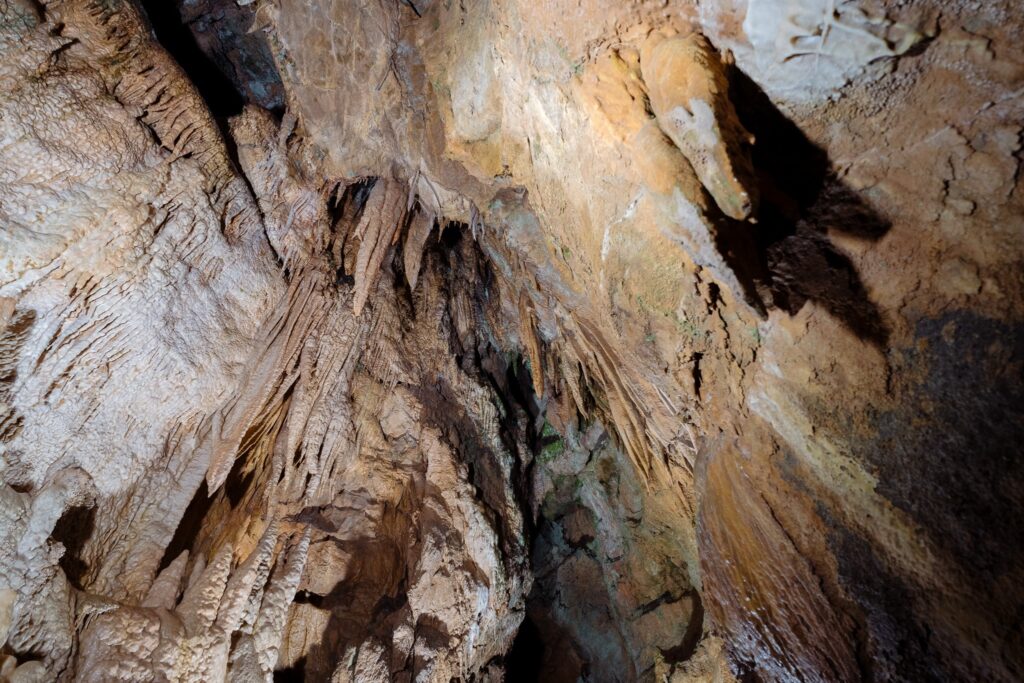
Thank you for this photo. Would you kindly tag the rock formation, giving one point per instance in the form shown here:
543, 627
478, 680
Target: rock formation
435, 340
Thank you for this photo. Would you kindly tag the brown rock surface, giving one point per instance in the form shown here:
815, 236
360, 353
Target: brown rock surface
429, 340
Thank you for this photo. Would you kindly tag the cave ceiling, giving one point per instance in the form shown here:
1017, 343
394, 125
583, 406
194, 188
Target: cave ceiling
483, 340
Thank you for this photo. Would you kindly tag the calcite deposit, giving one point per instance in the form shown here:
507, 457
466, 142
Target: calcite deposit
559, 340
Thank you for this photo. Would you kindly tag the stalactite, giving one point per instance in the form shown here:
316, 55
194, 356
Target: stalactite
380, 222
420, 227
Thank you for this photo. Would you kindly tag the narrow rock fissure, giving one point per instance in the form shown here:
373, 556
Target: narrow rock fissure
219, 93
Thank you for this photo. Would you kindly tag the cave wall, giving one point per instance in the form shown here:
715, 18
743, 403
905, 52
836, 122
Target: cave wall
341, 339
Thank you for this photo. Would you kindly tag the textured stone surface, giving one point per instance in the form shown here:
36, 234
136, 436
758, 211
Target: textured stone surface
451, 340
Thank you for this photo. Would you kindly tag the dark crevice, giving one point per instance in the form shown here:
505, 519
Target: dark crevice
216, 89
73, 530
296, 673
222, 29
189, 526
697, 376
238, 482
412, 5
524, 661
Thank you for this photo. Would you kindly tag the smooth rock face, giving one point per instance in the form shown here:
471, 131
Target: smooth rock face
511, 340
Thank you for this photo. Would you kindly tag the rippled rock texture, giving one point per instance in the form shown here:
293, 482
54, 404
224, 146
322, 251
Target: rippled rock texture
428, 340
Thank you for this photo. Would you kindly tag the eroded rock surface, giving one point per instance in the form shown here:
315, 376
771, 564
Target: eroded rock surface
435, 340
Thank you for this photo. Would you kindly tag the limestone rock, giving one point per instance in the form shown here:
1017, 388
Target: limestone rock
688, 89
711, 371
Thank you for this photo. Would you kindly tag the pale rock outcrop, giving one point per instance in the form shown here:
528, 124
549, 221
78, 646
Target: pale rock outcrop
211, 626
